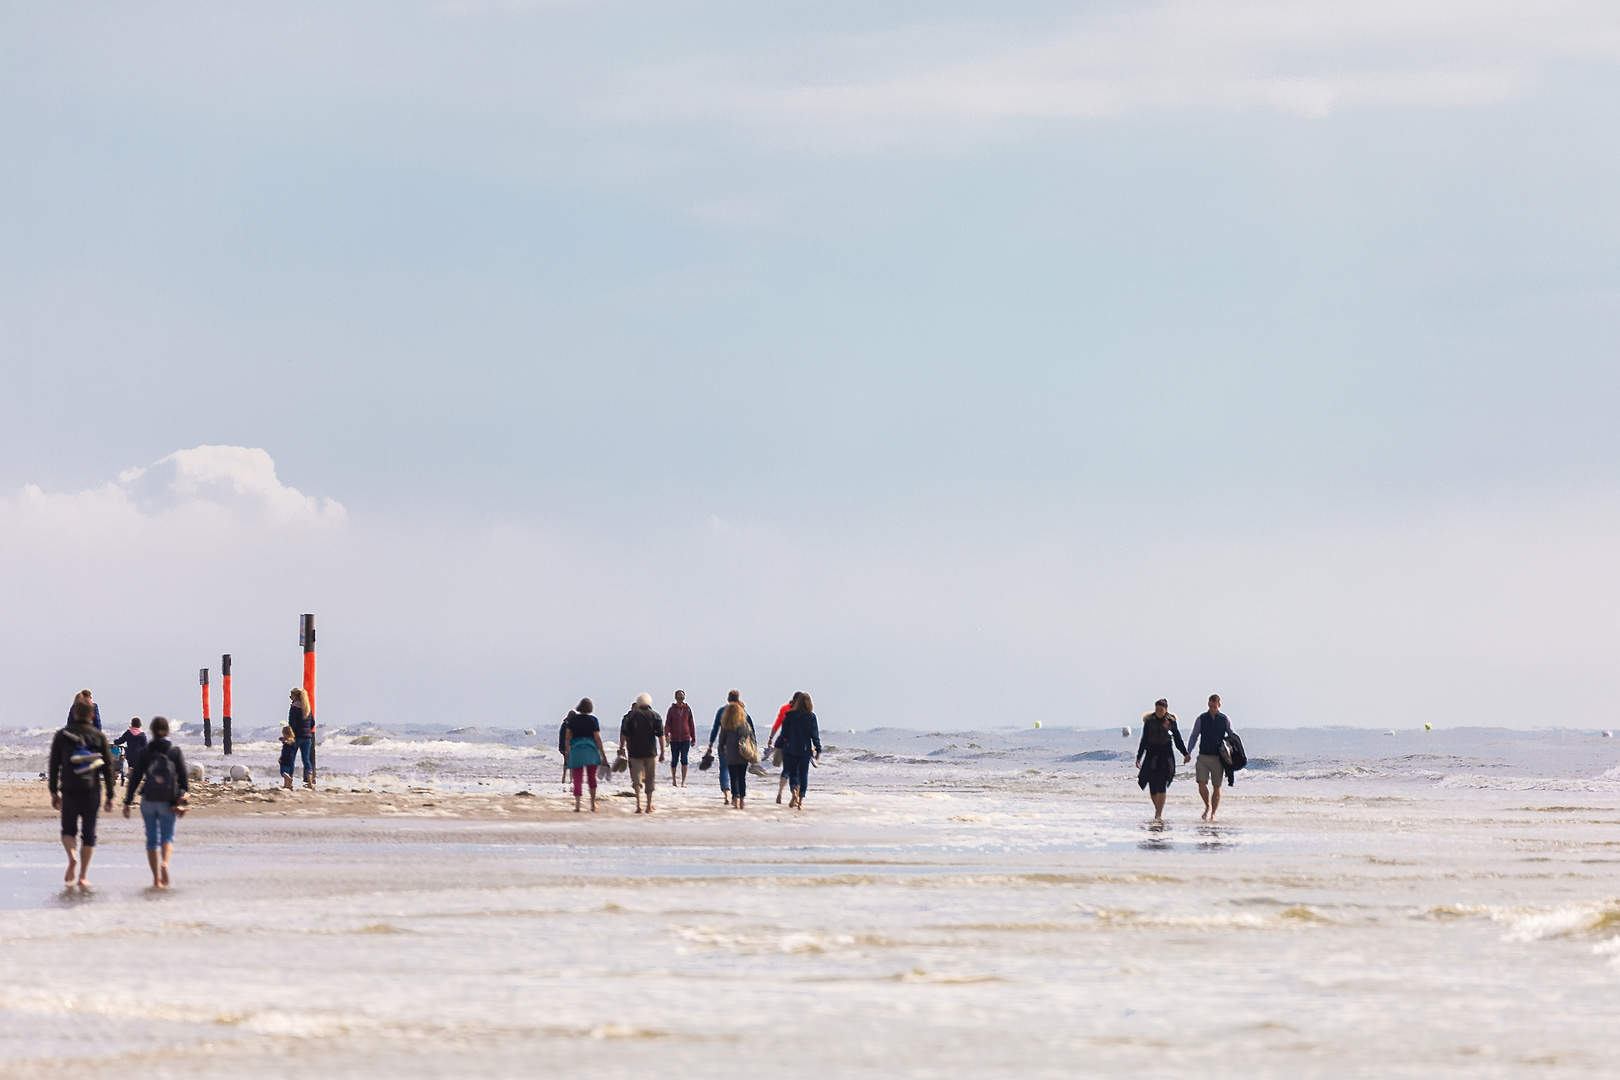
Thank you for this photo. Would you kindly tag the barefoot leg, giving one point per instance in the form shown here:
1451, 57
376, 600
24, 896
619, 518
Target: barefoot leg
163, 871
84, 866
1214, 803
1203, 793
157, 876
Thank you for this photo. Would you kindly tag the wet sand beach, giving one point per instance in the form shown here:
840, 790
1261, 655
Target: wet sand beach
1353, 930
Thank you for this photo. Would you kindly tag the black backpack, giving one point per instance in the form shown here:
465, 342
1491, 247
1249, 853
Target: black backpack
162, 781
83, 765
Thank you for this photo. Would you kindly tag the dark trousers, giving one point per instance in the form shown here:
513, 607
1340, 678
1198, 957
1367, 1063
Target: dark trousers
797, 771
77, 805
739, 781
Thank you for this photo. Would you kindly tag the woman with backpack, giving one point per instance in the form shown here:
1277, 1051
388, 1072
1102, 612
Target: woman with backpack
160, 777
800, 739
739, 747
582, 749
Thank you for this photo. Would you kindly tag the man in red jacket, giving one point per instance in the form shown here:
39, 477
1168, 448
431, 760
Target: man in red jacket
681, 733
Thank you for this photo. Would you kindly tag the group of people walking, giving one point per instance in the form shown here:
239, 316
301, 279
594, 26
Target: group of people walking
81, 766
645, 739
1212, 739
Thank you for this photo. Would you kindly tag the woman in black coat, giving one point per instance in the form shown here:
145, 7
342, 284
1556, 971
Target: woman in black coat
800, 739
1155, 760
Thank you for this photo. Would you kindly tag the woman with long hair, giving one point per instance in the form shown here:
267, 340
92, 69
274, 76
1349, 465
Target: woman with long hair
738, 747
301, 718
801, 738
582, 749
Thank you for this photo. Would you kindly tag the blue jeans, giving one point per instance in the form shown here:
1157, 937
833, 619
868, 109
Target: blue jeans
678, 752
797, 771
725, 774
306, 750
159, 818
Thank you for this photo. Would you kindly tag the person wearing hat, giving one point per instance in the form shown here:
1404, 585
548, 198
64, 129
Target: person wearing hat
641, 736
1155, 762
680, 732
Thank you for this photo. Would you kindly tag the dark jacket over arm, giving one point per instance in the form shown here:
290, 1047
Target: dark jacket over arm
62, 747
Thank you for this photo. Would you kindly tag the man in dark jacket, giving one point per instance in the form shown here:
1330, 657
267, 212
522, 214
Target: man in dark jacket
681, 733
641, 735
81, 761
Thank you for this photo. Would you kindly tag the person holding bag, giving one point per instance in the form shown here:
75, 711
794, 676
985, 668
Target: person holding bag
160, 777
739, 747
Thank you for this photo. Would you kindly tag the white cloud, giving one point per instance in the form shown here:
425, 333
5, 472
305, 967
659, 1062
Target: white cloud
217, 484
1307, 58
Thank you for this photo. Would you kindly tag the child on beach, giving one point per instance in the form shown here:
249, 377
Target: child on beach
289, 754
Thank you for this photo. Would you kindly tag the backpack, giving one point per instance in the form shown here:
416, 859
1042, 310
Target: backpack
562, 738
162, 782
84, 762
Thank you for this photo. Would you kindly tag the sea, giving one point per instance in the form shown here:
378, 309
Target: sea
972, 903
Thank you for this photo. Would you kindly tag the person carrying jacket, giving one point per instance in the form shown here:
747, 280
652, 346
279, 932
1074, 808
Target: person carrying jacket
301, 718
641, 734
1208, 732
81, 761
1155, 762
736, 726
801, 737
681, 733
160, 778
770, 740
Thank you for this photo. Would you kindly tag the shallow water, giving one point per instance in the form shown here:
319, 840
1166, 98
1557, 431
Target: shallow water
1356, 914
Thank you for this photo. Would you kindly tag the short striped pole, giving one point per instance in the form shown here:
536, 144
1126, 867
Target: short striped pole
306, 638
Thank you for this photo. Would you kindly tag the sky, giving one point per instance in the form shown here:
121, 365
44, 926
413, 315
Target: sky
963, 364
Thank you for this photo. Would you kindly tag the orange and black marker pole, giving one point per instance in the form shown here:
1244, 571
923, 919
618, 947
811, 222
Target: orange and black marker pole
225, 709
306, 638
208, 725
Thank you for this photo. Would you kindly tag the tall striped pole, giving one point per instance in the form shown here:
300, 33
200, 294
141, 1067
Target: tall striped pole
306, 638
225, 718
208, 725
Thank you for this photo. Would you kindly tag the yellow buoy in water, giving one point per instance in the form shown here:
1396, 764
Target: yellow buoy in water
1037, 723
1428, 727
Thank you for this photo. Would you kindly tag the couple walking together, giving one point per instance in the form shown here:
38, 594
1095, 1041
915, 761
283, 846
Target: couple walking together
796, 736
1156, 764
81, 764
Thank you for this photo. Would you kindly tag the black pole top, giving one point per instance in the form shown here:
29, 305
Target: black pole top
225, 665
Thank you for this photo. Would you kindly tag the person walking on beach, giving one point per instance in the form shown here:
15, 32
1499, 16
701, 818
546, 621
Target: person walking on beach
1155, 762
289, 756
81, 762
160, 777
732, 695
801, 738
301, 718
133, 741
641, 733
770, 741
84, 696
681, 733
582, 749
1208, 732
738, 747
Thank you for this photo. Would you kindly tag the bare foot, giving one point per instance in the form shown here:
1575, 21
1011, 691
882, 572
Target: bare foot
73, 870
1204, 816
165, 874
649, 808
638, 809
85, 883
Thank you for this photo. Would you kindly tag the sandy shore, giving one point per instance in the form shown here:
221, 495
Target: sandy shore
413, 934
